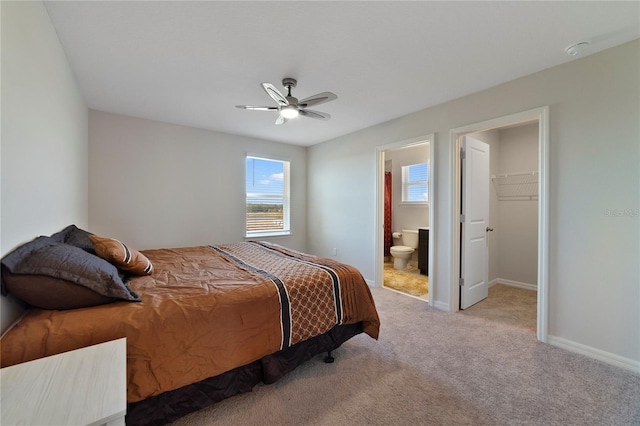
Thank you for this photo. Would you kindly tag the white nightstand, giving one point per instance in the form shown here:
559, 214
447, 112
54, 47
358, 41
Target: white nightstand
82, 387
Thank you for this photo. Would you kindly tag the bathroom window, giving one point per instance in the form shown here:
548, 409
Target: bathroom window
415, 183
267, 197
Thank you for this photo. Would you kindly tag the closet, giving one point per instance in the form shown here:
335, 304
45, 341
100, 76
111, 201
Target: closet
513, 244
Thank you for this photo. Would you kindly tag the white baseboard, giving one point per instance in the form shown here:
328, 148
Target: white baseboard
441, 305
512, 283
600, 355
370, 283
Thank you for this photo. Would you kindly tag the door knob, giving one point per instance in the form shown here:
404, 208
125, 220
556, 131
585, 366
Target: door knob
489, 229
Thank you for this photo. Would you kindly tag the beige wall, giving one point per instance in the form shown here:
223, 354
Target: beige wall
594, 287
44, 134
155, 184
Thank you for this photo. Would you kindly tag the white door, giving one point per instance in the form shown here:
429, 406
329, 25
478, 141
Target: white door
474, 259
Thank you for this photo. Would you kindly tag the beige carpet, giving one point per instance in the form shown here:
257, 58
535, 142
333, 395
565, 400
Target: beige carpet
409, 281
507, 305
437, 368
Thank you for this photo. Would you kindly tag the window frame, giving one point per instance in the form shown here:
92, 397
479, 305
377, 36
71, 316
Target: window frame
286, 199
406, 185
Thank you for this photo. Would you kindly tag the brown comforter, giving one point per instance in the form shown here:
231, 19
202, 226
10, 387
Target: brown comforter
204, 311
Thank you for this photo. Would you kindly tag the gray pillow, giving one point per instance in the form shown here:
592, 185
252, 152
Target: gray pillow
45, 256
76, 237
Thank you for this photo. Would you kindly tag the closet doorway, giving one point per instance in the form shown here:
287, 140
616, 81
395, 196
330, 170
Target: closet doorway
516, 234
510, 234
405, 202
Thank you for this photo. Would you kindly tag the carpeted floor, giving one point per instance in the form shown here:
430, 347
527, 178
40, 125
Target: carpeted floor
508, 305
409, 281
436, 368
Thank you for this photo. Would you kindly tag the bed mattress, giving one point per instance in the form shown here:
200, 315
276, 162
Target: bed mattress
205, 311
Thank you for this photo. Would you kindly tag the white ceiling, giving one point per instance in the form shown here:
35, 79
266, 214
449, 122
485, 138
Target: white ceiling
190, 63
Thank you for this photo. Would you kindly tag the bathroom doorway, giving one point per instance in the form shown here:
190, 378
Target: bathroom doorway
405, 201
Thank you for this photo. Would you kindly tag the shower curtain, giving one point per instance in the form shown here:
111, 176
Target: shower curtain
388, 238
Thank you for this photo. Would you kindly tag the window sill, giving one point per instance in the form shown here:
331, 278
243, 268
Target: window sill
254, 235
405, 203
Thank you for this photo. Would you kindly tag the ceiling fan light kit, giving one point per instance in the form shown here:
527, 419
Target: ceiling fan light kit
289, 111
288, 106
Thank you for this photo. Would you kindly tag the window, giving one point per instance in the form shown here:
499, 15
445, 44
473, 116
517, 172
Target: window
415, 183
267, 195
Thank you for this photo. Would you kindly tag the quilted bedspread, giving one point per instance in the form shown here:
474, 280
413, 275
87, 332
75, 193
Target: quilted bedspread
204, 311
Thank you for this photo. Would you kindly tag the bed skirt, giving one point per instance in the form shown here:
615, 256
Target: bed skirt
170, 406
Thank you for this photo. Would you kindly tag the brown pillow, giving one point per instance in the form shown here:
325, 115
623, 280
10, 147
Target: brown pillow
121, 256
47, 292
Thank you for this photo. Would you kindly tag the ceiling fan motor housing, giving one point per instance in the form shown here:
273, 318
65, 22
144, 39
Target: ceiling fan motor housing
289, 82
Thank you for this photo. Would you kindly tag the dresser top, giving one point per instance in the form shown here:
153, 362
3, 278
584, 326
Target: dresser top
85, 386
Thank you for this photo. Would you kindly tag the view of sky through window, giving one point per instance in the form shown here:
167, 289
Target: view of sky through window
416, 183
264, 178
267, 196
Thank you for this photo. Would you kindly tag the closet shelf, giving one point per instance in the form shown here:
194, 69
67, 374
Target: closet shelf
516, 186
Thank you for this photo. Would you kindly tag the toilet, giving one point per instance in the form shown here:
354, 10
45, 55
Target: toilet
402, 254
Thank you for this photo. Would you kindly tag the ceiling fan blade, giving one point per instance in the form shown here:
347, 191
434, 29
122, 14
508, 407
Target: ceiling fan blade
257, 108
315, 114
320, 98
281, 120
275, 94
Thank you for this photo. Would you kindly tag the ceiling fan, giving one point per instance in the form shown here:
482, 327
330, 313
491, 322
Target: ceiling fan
290, 107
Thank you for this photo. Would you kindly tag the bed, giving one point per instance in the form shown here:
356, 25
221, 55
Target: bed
205, 322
